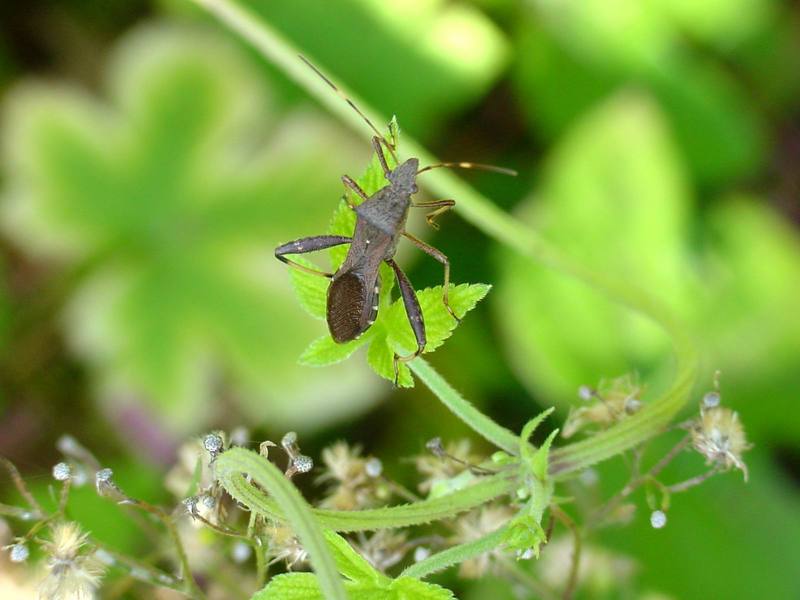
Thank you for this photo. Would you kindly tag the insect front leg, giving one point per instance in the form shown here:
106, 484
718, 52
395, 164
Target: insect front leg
441, 206
351, 184
414, 312
438, 255
309, 244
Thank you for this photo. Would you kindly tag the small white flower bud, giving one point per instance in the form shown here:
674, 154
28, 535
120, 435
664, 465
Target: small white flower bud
302, 463
421, 553
632, 405
240, 436
208, 502
19, 553
241, 552
212, 443
525, 554
290, 439
103, 476
190, 504
711, 400
589, 477
61, 471
373, 467
658, 519
585, 393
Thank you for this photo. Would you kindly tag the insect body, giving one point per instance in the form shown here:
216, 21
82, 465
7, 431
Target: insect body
352, 302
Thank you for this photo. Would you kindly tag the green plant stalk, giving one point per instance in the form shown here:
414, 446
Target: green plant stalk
504, 228
456, 555
236, 461
462, 408
404, 515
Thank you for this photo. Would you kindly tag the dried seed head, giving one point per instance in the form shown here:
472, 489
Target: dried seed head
72, 572
612, 401
62, 472
213, 443
658, 518
18, 553
435, 446
474, 525
719, 436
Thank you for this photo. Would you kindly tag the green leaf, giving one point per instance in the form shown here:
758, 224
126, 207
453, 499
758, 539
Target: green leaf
290, 586
439, 323
351, 564
525, 450
324, 351
381, 358
311, 290
408, 588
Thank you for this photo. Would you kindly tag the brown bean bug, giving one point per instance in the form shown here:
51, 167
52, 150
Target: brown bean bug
352, 303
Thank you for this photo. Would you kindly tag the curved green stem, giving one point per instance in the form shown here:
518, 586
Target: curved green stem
463, 409
455, 555
404, 515
231, 466
504, 228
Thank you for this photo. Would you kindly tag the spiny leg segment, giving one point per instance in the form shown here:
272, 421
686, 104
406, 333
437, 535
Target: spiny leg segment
439, 256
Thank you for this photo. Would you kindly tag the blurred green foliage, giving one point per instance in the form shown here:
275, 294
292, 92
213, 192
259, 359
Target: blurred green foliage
656, 140
164, 202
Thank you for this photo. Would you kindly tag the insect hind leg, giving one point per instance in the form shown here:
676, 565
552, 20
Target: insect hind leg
414, 312
309, 244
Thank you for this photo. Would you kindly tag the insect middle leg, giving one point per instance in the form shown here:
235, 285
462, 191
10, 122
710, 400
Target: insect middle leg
441, 206
309, 244
414, 312
438, 255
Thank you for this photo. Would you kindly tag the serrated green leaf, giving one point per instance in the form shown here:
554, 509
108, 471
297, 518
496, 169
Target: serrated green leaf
311, 290
408, 588
381, 358
439, 323
351, 564
290, 586
538, 461
324, 351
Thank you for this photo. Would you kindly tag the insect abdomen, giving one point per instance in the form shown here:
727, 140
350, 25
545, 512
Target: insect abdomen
352, 307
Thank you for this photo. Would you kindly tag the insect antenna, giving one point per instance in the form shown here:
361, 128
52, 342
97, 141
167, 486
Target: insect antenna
352, 104
470, 165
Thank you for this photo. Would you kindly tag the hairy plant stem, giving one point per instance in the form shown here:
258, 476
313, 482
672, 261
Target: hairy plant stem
233, 464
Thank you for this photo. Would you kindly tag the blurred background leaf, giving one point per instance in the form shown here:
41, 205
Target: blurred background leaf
169, 201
